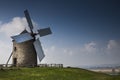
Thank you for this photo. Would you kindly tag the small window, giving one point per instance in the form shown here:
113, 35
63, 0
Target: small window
14, 61
15, 49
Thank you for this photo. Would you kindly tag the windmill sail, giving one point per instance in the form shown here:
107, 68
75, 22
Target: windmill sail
39, 49
44, 32
28, 20
22, 37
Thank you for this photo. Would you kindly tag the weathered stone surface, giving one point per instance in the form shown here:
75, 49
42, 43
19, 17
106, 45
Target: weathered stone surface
24, 53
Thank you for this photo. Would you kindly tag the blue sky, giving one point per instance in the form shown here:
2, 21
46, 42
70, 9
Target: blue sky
85, 32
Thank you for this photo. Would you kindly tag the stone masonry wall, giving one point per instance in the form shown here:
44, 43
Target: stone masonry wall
24, 53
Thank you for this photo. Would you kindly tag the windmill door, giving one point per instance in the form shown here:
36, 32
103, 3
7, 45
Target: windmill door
14, 61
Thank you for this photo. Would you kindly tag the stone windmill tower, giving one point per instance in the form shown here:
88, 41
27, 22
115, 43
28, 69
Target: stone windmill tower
26, 47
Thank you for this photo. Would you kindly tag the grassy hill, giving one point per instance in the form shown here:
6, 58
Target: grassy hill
53, 74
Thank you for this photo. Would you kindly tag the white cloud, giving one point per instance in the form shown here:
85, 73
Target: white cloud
89, 53
112, 44
68, 51
13, 27
89, 48
113, 47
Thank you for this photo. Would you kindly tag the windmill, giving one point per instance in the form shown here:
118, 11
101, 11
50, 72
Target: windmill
26, 46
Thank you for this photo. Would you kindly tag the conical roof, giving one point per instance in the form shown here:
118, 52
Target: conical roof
24, 31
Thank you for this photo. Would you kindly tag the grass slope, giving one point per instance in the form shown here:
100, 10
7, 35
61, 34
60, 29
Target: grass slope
53, 74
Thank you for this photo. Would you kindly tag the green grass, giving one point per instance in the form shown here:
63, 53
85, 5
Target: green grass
53, 74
